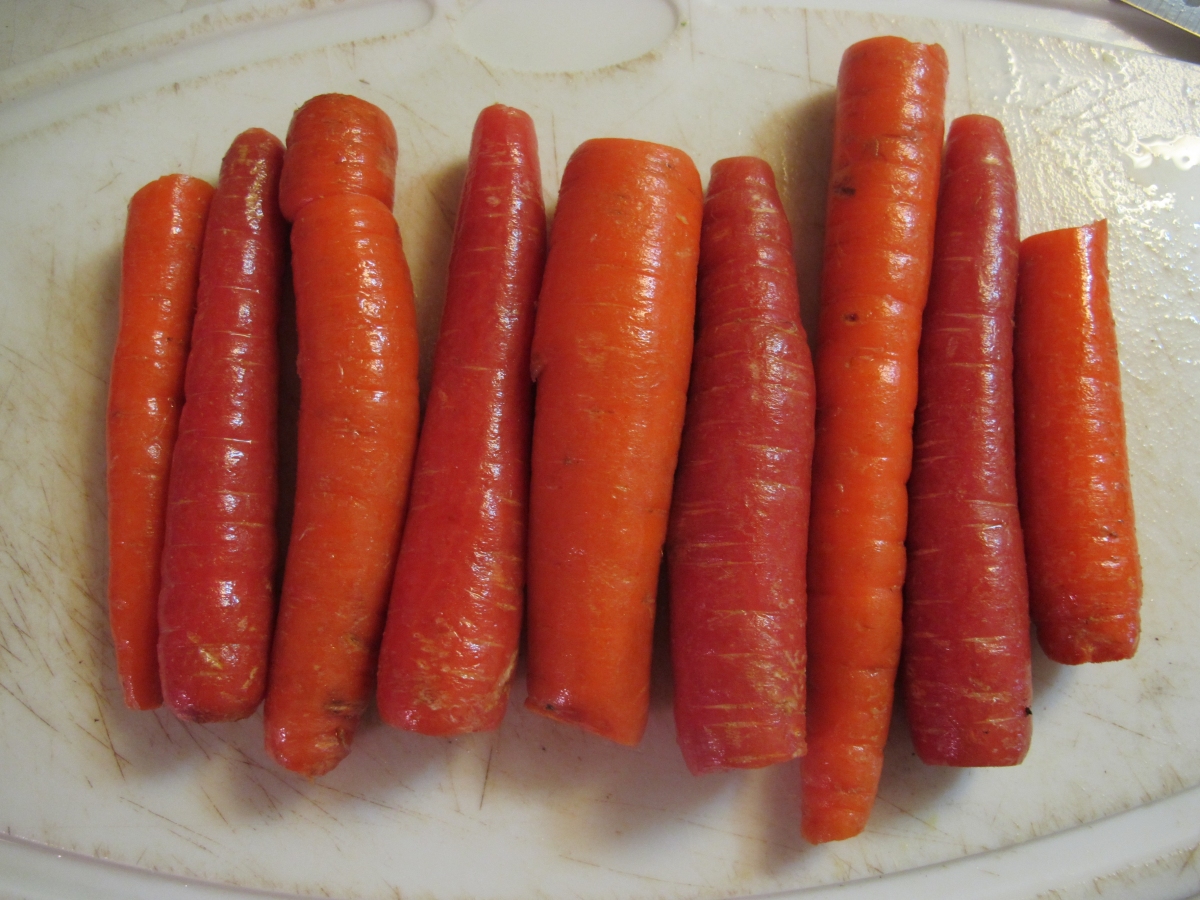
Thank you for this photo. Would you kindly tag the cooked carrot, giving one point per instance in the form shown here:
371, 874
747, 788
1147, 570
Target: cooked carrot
218, 602
879, 226
967, 680
454, 622
160, 263
738, 533
1085, 577
338, 144
611, 352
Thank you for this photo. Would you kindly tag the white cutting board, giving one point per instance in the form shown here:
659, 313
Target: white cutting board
538, 809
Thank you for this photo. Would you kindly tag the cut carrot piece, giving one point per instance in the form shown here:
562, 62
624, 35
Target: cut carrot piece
217, 603
1085, 576
882, 201
967, 677
454, 623
612, 349
738, 534
160, 268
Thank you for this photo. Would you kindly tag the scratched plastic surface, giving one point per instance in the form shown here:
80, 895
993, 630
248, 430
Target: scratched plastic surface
537, 808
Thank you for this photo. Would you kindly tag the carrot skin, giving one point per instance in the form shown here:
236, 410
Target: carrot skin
967, 676
217, 601
878, 247
338, 144
738, 533
454, 621
1085, 577
359, 410
611, 354
160, 266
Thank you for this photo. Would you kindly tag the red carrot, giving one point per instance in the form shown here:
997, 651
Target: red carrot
967, 672
217, 601
1085, 578
878, 246
338, 144
359, 410
159, 269
738, 533
454, 623
611, 353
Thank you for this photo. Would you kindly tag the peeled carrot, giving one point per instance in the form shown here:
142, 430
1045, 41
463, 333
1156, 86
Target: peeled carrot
359, 411
454, 623
967, 678
338, 144
1085, 577
738, 533
879, 227
217, 602
611, 352
160, 265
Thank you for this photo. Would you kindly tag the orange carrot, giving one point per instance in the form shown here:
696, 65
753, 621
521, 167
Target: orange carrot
338, 144
218, 599
450, 645
738, 533
967, 679
878, 245
359, 410
159, 270
1085, 578
611, 352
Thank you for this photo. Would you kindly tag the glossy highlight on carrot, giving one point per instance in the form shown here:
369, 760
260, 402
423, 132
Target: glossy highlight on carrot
338, 144
1085, 577
160, 265
879, 226
454, 623
738, 533
611, 355
967, 670
217, 603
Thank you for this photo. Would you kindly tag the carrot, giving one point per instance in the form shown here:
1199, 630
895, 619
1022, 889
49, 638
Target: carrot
454, 622
338, 144
359, 410
738, 532
159, 269
967, 679
611, 352
1085, 579
217, 601
878, 244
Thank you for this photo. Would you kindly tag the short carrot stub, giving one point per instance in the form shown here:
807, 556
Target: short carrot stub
738, 533
879, 226
160, 267
611, 354
338, 144
1085, 578
967, 668
454, 620
217, 604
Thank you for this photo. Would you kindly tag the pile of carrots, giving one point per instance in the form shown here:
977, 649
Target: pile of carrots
898, 507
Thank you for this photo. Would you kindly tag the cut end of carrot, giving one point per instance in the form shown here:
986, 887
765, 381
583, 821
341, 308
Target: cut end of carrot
1107, 639
627, 734
306, 754
820, 825
992, 744
140, 694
